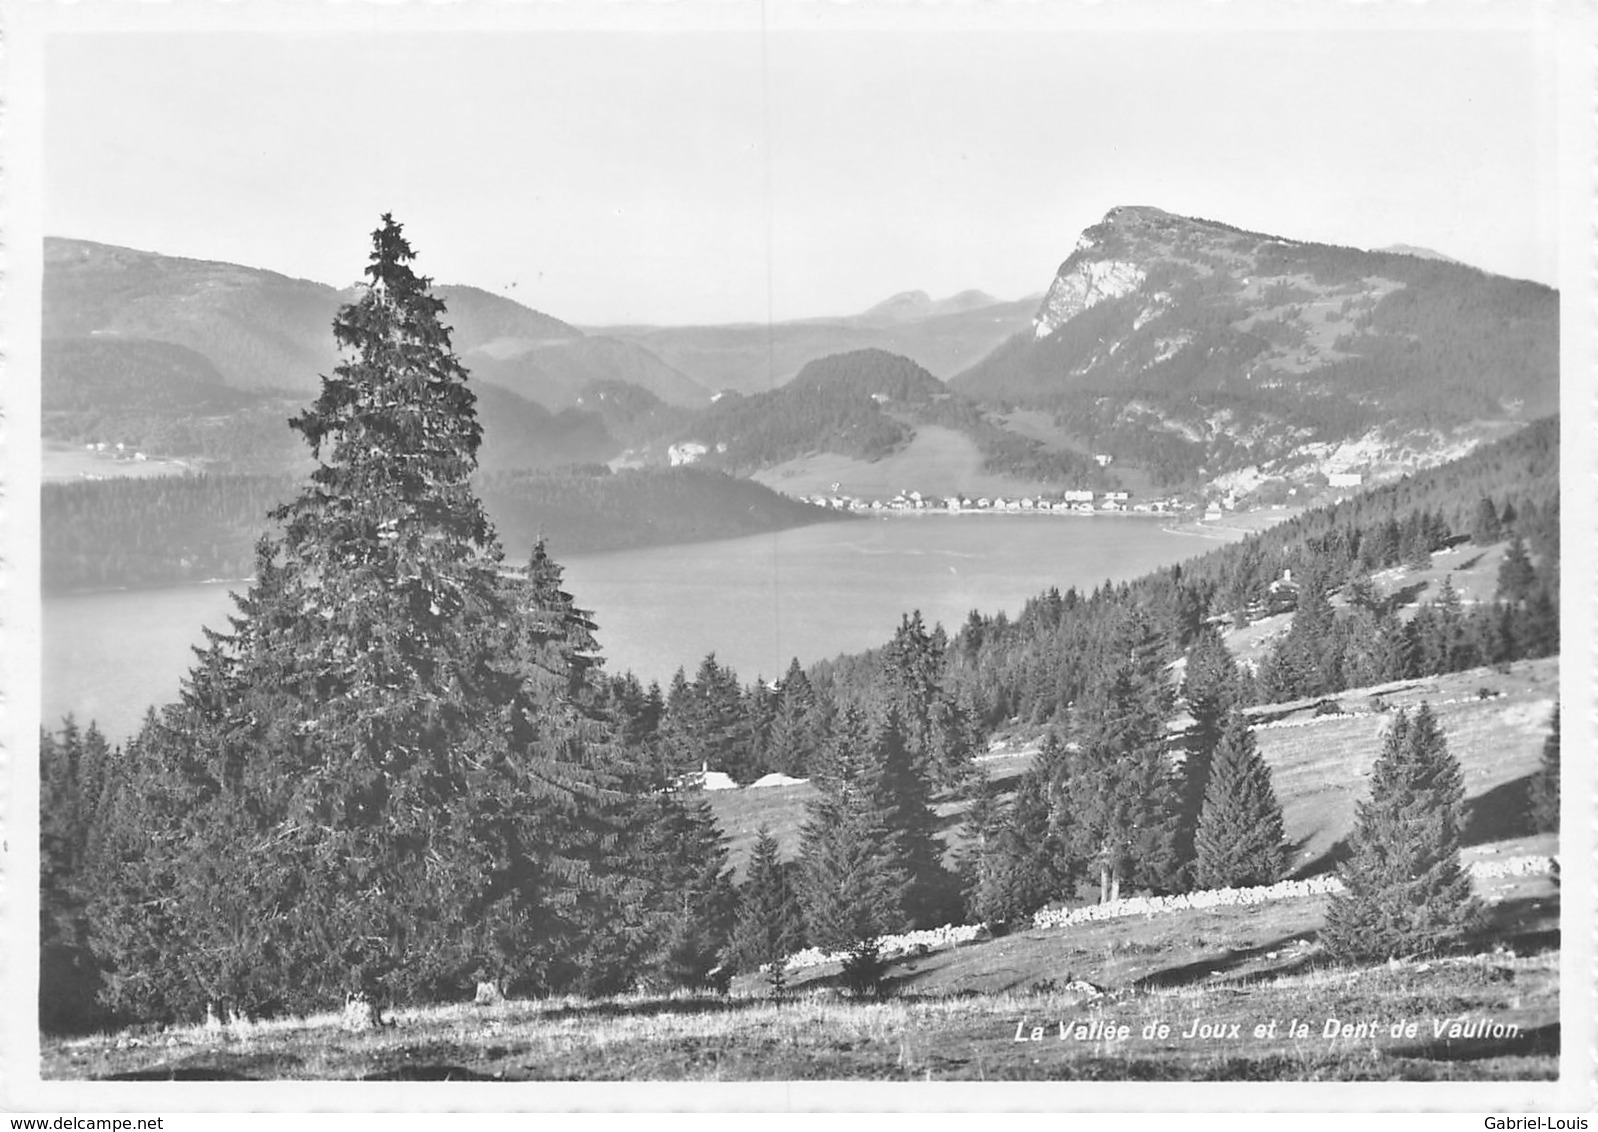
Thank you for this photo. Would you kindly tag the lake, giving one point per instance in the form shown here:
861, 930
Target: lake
756, 602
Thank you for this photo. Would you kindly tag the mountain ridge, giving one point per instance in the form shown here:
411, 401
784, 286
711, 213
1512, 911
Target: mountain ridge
1196, 349
1199, 354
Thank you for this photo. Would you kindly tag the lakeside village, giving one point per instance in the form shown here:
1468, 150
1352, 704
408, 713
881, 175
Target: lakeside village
1059, 503
1067, 502
1083, 502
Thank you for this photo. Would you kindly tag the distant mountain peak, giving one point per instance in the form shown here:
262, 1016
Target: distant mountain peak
913, 306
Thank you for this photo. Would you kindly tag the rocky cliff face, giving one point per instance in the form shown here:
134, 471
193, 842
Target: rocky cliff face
1197, 349
1082, 285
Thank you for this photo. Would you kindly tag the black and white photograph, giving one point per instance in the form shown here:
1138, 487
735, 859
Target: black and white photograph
772, 556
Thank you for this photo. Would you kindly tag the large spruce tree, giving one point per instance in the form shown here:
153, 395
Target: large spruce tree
1405, 891
390, 778
1239, 840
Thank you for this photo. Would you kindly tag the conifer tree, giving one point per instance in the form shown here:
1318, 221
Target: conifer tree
144, 943
980, 826
1544, 793
798, 728
691, 901
1305, 661
1021, 859
1485, 525
578, 818
931, 895
1123, 801
941, 733
1239, 840
638, 712
1360, 592
706, 726
1517, 578
1211, 688
392, 777
72, 770
769, 926
1537, 631
760, 712
1405, 891
853, 885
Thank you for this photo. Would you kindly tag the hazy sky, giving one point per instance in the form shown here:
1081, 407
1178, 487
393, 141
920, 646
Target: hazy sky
815, 166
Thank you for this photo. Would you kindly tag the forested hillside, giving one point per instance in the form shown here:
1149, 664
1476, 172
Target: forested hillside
259, 329
865, 404
167, 530
162, 399
520, 433
584, 509
1035, 665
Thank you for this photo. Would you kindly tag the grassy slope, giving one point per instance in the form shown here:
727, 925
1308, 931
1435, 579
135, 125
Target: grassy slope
1320, 765
955, 1017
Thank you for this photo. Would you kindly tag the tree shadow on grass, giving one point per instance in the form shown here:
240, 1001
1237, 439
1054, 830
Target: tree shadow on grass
186, 1073
1406, 595
651, 1007
1539, 1041
1327, 862
1501, 814
1220, 964
1529, 924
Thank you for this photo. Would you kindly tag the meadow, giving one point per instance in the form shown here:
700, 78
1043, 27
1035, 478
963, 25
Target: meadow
1241, 994
1494, 721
